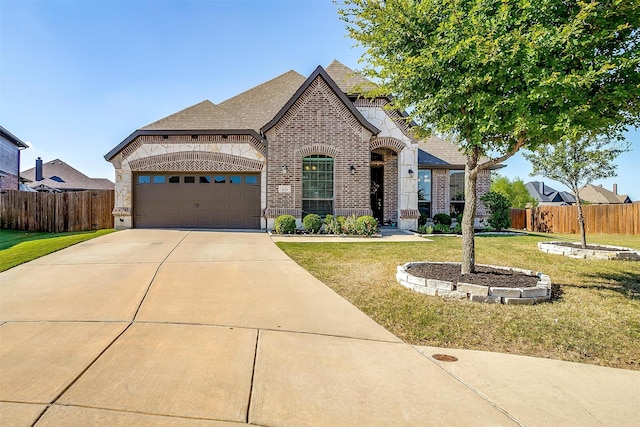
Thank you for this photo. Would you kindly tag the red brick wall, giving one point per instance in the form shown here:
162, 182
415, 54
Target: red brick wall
318, 123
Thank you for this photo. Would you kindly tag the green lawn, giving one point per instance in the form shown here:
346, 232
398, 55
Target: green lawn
594, 318
17, 247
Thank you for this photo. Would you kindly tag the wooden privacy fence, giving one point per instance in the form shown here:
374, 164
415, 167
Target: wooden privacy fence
56, 212
605, 219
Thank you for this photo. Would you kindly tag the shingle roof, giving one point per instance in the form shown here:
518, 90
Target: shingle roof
348, 80
204, 115
434, 152
545, 194
597, 194
258, 105
65, 177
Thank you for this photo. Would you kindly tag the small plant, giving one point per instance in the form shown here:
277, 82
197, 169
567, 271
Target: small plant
312, 223
500, 208
442, 228
426, 229
442, 219
333, 224
457, 229
285, 224
367, 225
459, 218
351, 225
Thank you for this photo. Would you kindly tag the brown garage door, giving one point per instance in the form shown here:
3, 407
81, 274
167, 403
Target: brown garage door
203, 200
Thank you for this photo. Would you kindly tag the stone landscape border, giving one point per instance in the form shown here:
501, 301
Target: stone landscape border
477, 293
617, 252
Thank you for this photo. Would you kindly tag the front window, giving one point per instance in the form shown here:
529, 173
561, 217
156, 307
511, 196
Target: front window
424, 192
456, 191
317, 185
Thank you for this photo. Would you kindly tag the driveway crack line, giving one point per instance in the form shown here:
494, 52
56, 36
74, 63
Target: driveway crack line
472, 388
155, 275
253, 374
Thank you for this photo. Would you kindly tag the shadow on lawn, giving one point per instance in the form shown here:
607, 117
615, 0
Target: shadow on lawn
10, 238
628, 283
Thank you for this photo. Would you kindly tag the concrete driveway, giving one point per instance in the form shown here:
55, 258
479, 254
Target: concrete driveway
186, 328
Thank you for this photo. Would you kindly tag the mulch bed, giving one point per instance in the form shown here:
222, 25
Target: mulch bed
484, 276
590, 247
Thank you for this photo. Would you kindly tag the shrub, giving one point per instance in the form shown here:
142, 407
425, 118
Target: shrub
442, 219
425, 229
367, 225
500, 208
459, 218
312, 223
442, 228
285, 224
351, 225
422, 220
333, 224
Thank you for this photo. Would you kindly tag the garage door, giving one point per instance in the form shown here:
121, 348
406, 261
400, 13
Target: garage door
215, 200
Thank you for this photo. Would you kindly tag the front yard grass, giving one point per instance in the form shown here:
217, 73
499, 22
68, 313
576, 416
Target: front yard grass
18, 247
594, 319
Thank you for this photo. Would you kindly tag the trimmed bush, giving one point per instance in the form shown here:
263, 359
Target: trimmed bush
500, 208
367, 225
442, 218
285, 224
442, 228
312, 223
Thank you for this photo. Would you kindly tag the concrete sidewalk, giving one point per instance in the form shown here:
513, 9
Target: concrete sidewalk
168, 327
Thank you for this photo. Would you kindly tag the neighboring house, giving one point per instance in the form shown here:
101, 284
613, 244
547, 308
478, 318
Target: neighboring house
595, 194
547, 196
292, 145
10, 146
58, 176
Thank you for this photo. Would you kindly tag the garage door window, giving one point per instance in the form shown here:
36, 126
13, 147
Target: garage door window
174, 180
205, 180
235, 179
317, 185
158, 179
220, 179
251, 180
144, 179
189, 179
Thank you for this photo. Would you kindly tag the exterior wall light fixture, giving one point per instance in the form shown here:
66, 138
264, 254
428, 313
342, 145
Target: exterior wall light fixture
284, 169
410, 173
352, 169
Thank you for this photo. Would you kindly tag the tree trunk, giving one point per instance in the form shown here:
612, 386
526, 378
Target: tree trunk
468, 217
583, 233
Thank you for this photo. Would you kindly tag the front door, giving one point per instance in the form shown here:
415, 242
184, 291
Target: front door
377, 192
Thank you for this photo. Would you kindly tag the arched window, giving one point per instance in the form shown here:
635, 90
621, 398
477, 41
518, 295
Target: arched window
317, 185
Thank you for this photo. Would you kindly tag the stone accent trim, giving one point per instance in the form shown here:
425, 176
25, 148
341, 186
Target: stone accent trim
394, 115
368, 102
276, 212
477, 293
620, 253
311, 149
409, 213
348, 212
196, 161
121, 211
387, 142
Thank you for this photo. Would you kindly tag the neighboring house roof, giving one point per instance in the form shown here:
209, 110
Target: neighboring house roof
598, 195
439, 153
320, 72
545, 194
348, 80
12, 138
58, 175
204, 115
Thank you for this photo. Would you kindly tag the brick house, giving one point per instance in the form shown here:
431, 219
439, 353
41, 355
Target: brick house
10, 146
292, 145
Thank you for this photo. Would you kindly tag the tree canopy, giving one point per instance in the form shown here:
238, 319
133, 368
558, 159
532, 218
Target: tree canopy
514, 190
500, 75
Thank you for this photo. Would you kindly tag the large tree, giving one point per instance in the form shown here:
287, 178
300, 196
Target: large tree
575, 164
501, 75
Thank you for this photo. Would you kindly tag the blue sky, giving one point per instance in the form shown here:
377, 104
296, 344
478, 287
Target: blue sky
77, 77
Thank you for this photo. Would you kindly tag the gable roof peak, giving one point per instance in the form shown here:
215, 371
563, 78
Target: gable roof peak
320, 72
348, 80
